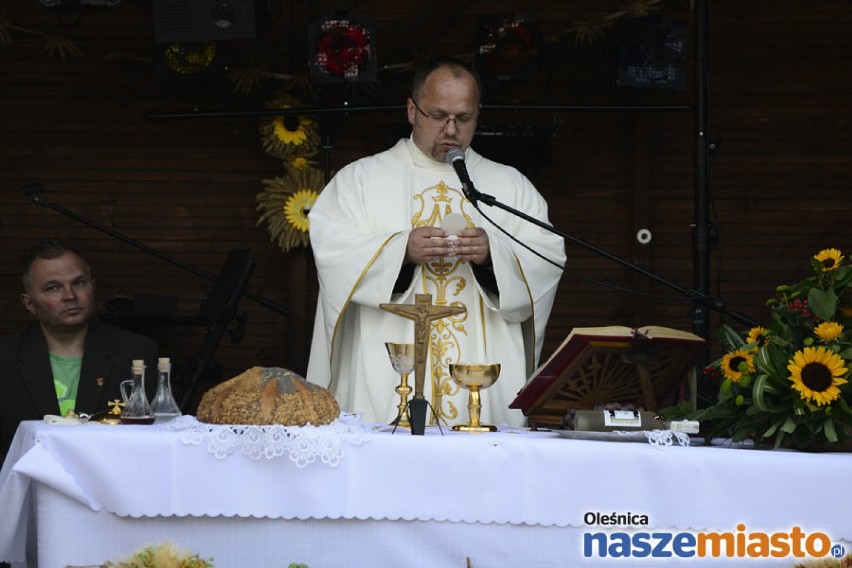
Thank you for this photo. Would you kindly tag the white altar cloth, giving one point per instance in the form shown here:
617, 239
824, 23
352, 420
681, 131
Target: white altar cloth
508, 483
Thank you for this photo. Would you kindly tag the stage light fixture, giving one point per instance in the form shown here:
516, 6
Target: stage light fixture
508, 47
341, 49
190, 21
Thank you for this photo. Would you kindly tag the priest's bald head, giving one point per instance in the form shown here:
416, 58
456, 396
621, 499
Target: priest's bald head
443, 107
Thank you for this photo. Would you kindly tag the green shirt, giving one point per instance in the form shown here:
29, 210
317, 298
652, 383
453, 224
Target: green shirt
66, 378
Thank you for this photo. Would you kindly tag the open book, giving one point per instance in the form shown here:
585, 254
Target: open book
598, 365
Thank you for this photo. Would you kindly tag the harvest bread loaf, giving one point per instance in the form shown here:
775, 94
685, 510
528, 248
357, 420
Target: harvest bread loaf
268, 395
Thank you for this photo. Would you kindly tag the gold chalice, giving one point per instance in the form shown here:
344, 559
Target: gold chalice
402, 360
474, 377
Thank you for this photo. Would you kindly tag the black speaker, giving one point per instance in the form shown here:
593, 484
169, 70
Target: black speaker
188, 21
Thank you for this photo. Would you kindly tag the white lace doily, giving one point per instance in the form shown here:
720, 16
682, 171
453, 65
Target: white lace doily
303, 444
663, 438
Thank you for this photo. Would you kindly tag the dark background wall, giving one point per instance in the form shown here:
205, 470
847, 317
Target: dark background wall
97, 130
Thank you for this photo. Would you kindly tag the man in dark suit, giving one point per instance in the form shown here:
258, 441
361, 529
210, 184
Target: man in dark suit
66, 360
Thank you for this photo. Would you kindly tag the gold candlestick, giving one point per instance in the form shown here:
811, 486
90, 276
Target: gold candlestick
402, 360
474, 377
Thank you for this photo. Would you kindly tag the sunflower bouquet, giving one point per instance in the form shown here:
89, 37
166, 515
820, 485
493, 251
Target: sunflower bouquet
167, 555
163, 555
787, 384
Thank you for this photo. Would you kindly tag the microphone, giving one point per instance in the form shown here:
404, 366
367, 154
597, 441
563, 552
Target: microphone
455, 157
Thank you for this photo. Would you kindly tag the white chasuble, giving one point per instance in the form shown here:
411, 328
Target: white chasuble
359, 230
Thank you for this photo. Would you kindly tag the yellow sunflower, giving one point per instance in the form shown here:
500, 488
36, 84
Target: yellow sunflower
285, 202
829, 258
287, 136
291, 129
164, 554
190, 59
299, 163
298, 206
732, 365
758, 336
828, 330
816, 372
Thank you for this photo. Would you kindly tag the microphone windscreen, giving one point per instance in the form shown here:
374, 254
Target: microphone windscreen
454, 154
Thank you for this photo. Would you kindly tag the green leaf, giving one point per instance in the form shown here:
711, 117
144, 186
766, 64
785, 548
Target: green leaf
730, 338
763, 361
779, 341
771, 430
681, 411
726, 391
822, 303
842, 276
830, 432
742, 433
789, 425
760, 389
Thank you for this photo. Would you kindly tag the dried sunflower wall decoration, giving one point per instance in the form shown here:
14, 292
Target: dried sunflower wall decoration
186, 59
286, 136
286, 202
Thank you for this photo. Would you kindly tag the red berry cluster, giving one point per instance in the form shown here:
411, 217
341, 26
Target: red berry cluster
801, 306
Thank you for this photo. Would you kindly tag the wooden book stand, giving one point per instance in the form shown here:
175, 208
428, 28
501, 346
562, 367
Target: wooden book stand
595, 366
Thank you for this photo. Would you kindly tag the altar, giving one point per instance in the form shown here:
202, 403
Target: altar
82, 495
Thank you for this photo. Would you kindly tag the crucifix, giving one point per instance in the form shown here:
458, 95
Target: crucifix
423, 313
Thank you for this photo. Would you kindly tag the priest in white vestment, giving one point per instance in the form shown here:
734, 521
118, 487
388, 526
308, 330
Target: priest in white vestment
377, 238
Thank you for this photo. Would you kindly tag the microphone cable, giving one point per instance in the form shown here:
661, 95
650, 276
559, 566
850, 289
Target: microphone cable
454, 156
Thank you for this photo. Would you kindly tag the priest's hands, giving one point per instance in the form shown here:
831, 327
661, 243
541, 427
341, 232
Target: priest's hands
426, 244
472, 245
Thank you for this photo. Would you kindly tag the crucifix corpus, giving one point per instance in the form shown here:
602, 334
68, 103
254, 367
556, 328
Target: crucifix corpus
423, 313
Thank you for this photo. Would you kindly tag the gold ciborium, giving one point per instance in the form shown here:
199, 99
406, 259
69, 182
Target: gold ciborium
402, 360
474, 377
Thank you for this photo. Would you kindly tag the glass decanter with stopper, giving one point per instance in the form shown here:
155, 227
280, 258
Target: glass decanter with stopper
136, 409
164, 406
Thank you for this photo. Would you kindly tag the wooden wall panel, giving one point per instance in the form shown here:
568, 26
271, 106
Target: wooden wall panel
779, 175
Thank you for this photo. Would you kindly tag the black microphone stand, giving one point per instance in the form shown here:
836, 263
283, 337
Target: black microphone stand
474, 196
